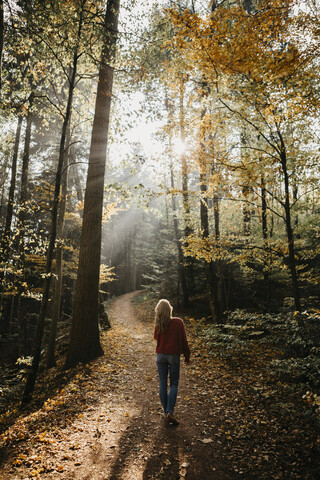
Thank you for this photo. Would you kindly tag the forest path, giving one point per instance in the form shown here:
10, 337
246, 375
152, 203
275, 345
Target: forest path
103, 420
135, 443
108, 425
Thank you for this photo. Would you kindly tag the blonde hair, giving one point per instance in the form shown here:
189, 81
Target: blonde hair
163, 315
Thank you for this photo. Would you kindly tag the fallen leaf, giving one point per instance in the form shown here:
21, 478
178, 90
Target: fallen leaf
206, 440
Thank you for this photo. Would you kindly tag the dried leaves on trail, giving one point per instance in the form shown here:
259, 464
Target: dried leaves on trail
104, 420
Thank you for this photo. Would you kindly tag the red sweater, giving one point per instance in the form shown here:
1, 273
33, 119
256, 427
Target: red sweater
174, 339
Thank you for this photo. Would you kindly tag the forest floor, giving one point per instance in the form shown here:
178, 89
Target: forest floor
104, 422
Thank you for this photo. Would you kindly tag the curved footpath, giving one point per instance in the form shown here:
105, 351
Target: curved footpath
106, 424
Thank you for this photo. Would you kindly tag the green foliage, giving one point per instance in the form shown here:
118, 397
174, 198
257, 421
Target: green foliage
294, 338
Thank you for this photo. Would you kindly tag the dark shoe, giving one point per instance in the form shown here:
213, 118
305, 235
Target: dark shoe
172, 419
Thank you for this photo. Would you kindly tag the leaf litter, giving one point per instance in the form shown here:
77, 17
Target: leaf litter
104, 421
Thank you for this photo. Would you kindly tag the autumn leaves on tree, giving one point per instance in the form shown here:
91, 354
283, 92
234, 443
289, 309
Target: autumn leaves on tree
261, 80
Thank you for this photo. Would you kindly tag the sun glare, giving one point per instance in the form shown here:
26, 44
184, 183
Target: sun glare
178, 146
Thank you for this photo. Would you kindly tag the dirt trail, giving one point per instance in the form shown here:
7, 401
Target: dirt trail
136, 444
117, 431
103, 421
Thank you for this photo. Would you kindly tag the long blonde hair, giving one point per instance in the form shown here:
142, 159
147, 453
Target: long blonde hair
163, 315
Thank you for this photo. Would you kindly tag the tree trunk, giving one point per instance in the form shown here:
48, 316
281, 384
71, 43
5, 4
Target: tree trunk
184, 165
1, 40
245, 191
290, 236
216, 212
265, 235
77, 183
181, 261
181, 267
24, 177
295, 199
189, 268
2, 197
85, 342
215, 299
22, 218
211, 277
31, 380
58, 281
7, 230
246, 214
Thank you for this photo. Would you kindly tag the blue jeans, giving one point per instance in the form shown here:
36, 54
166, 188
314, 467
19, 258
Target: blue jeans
168, 363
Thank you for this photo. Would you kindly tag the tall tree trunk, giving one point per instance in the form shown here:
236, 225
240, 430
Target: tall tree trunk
24, 177
181, 260
1, 40
246, 214
189, 268
216, 212
181, 267
7, 230
290, 236
184, 165
245, 190
212, 280
77, 182
58, 280
24, 193
295, 199
31, 380
85, 342
3, 186
265, 234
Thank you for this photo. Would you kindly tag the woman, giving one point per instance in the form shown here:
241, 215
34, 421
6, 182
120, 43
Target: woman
170, 334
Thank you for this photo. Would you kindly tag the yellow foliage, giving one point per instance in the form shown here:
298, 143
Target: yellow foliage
107, 274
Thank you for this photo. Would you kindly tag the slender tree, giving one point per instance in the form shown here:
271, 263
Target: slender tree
58, 279
12, 189
177, 233
29, 387
1, 39
213, 280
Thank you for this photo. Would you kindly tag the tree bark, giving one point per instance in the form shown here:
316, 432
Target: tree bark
245, 190
181, 262
290, 236
189, 267
22, 219
31, 380
77, 182
58, 281
213, 269
85, 342
216, 212
7, 230
264, 219
1, 40
181, 267
213, 282
24, 176
184, 165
